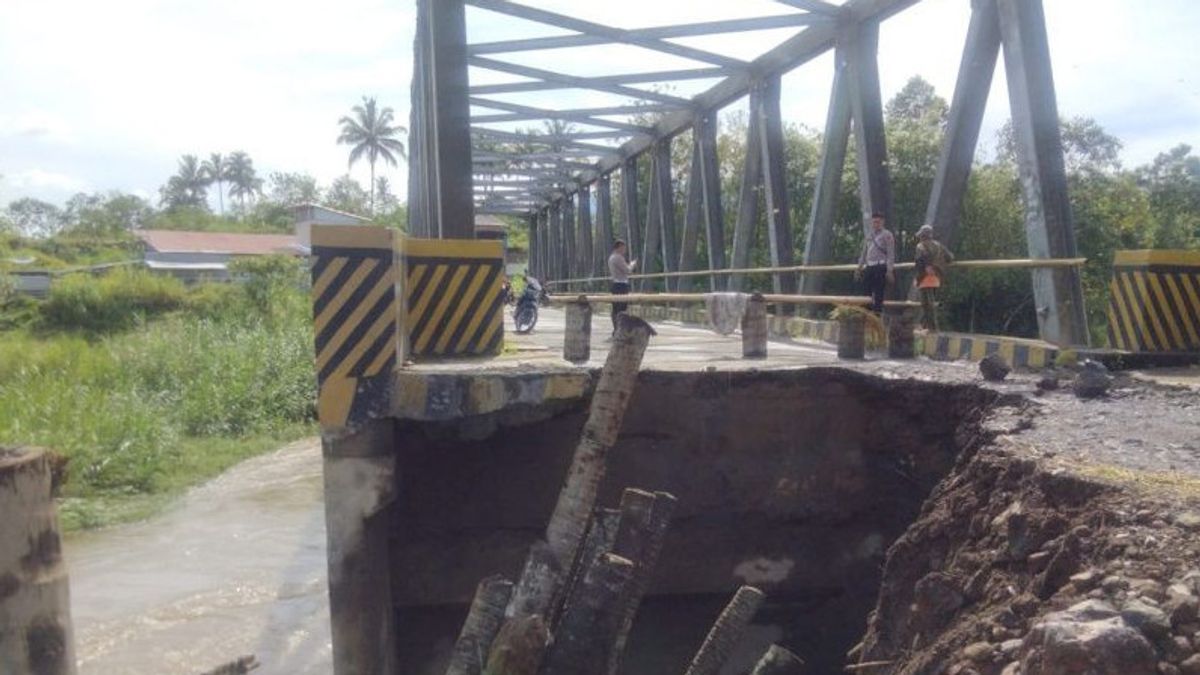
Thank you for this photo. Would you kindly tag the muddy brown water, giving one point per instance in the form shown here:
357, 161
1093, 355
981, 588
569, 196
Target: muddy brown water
237, 567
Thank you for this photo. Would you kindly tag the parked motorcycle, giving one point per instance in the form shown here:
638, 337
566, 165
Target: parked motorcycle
525, 315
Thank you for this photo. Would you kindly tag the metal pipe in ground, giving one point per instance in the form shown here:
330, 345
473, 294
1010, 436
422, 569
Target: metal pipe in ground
35, 604
754, 328
577, 342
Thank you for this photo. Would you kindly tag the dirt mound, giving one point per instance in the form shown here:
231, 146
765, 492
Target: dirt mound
1018, 565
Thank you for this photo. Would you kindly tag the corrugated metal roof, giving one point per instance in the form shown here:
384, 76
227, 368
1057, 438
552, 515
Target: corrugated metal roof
173, 241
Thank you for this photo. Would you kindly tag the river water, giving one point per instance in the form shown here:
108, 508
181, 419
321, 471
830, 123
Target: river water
237, 567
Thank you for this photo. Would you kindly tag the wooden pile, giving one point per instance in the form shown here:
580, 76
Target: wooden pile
571, 610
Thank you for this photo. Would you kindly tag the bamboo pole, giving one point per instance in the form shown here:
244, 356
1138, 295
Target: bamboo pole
769, 298
35, 606
725, 633
479, 630
584, 638
642, 545
779, 661
1012, 263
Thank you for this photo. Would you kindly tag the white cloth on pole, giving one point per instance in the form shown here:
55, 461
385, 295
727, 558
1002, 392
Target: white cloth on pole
725, 311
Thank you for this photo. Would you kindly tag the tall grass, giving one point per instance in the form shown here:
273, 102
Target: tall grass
128, 407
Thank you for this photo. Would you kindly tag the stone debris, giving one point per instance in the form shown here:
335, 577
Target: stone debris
994, 368
1087, 639
1093, 380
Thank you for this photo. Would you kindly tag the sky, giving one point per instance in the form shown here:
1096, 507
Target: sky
98, 96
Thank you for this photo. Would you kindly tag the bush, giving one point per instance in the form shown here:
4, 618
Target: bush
116, 301
217, 301
271, 283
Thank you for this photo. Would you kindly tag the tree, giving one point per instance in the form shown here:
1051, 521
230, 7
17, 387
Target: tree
187, 188
34, 217
1086, 146
243, 180
215, 170
110, 215
347, 195
1172, 183
918, 102
371, 132
387, 200
291, 189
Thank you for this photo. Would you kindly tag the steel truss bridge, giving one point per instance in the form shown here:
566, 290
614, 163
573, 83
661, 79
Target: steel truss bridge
468, 153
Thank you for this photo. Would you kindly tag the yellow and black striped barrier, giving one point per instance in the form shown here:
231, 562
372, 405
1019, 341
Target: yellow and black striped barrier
1154, 301
355, 321
455, 299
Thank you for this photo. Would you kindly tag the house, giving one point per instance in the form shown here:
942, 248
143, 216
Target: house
307, 215
205, 256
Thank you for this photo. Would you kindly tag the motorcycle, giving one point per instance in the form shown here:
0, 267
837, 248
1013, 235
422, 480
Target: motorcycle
525, 315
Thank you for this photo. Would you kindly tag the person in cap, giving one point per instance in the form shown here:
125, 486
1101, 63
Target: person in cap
932, 261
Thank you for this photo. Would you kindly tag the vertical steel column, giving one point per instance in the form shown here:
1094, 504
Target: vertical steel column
747, 215
629, 207
554, 258
418, 192
875, 186
975, 73
1049, 227
446, 165
532, 222
666, 205
585, 231
604, 225
652, 243
570, 262
818, 248
691, 218
779, 224
710, 184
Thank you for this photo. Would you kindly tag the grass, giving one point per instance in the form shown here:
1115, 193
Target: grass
145, 412
1176, 484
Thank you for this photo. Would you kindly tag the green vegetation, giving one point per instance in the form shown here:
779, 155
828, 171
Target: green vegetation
148, 388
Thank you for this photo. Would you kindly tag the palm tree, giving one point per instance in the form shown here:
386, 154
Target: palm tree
243, 181
188, 187
371, 132
216, 170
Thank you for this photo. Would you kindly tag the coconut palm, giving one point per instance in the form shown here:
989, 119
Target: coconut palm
243, 180
187, 187
371, 132
216, 170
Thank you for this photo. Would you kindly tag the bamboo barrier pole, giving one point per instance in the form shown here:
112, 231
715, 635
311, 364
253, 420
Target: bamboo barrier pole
769, 298
1011, 263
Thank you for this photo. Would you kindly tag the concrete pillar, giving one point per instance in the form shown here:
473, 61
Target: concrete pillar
754, 328
852, 337
35, 605
359, 489
577, 340
901, 344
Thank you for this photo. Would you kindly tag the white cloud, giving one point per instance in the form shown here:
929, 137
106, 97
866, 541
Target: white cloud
42, 182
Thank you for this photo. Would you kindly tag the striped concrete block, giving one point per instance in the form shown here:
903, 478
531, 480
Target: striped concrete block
1154, 301
1017, 352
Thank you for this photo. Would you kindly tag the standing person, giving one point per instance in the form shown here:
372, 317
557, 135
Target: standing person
932, 260
619, 269
876, 262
